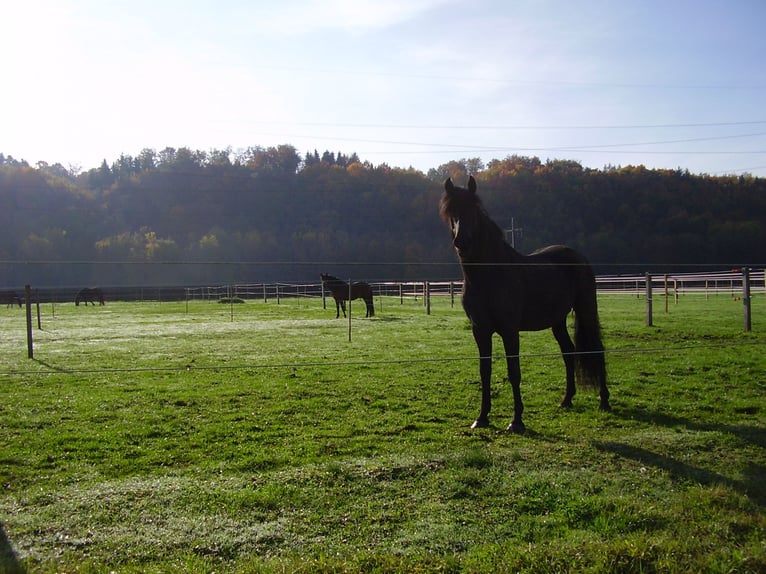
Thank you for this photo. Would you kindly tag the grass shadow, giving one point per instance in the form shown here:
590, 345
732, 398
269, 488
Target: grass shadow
51, 367
9, 562
751, 485
746, 433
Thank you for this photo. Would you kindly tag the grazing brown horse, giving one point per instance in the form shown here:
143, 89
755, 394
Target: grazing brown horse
10, 298
341, 293
505, 292
89, 295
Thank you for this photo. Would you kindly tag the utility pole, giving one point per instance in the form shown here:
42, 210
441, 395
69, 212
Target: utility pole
511, 233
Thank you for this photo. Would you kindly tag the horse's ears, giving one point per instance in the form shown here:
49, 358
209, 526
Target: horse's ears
450, 187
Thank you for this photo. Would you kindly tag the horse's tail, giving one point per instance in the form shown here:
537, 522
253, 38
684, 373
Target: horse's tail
590, 364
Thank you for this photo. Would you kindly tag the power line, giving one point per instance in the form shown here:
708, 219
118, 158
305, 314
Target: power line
517, 127
516, 81
452, 147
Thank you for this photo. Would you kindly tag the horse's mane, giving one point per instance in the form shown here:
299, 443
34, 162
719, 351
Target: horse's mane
459, 201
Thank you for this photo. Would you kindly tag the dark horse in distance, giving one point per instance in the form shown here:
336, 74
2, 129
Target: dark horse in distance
10, 298
89, 295
505, 292
341, 292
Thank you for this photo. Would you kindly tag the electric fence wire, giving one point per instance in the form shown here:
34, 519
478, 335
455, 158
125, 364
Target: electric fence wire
376, 362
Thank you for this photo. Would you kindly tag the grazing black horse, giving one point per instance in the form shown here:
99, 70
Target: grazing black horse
505, 292
341, 293
89, 295
10, 298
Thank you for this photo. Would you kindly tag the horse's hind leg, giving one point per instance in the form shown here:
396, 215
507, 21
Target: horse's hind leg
567, 349
343, 306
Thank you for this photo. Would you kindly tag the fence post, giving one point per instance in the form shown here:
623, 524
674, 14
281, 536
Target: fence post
427, 295
746, 296
28, 301
648, 300
349, 310
231, 300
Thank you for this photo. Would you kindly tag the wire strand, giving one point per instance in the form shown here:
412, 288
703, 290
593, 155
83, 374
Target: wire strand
311, 364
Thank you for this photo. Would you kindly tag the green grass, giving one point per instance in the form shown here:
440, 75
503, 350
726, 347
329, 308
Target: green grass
257, 438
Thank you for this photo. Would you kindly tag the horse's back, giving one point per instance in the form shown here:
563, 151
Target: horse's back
557, 254
557, 263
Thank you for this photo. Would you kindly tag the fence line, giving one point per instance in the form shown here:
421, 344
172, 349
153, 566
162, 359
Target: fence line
744, 277
712, 283
694, 283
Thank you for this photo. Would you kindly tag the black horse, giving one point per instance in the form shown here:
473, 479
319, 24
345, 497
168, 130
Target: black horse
10, 298
505, 292
89, 295
342, 293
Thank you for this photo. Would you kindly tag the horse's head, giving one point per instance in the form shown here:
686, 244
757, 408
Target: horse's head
462, 210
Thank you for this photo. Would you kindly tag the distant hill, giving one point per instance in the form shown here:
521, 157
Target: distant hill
180, 217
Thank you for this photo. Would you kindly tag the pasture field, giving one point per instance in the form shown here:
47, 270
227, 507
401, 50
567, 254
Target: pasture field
152, 437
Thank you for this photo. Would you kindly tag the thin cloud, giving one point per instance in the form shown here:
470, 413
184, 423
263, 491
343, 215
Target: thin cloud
351, 16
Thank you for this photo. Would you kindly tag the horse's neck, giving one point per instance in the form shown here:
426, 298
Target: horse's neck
496, 248
496, 254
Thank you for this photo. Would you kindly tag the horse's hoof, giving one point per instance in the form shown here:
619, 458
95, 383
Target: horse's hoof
566, 404
517, 427
480, 423
605, 407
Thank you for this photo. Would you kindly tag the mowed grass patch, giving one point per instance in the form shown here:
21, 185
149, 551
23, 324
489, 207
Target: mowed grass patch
160, 437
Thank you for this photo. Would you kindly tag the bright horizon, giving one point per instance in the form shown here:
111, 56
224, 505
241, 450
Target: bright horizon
404, 82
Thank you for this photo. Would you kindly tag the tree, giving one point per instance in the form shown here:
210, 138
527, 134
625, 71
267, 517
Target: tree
458, 170
147, 159
101, 178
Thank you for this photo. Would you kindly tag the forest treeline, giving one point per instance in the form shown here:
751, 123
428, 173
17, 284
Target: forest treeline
188, 217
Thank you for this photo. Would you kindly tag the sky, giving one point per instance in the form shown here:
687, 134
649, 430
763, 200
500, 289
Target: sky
409, 83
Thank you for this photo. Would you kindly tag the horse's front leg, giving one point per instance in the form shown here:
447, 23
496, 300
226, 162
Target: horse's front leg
511, 344
484, 343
